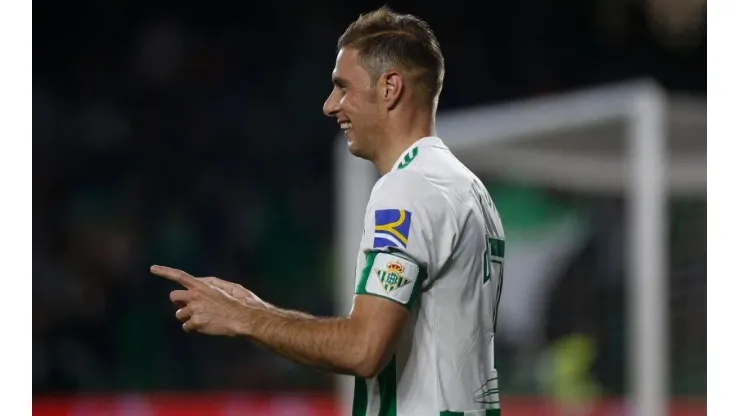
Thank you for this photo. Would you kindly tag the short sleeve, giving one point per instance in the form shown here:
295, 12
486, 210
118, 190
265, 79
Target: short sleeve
409, 232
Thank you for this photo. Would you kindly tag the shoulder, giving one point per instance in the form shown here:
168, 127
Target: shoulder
421, 201
407, 187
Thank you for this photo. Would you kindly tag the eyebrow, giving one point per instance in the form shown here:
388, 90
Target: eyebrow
338, 81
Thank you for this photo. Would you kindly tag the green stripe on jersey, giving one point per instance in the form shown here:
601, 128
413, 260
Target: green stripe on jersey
387, 387
359, 402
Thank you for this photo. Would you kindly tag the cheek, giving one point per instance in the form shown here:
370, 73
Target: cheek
359, 106
357, 102
348, 104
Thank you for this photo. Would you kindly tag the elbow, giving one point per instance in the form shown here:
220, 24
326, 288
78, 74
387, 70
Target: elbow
367, 369
370, 362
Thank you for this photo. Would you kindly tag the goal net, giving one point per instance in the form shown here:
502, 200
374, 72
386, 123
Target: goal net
602, 194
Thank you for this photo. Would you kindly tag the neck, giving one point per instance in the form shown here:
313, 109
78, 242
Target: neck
399, 138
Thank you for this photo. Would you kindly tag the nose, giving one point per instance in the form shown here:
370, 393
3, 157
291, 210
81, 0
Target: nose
331, 105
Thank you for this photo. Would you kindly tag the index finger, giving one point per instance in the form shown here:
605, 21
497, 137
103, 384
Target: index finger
177, 276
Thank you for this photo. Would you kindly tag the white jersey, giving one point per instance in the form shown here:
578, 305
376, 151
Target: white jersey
433, 242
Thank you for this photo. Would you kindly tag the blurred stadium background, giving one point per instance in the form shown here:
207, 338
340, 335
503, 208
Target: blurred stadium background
192, 136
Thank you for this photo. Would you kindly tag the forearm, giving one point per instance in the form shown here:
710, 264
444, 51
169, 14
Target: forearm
331, 344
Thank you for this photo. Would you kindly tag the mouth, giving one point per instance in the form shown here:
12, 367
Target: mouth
345, 125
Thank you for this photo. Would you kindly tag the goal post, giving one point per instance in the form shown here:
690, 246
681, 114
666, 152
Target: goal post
629, 139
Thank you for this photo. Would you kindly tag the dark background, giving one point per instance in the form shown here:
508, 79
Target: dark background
192, 136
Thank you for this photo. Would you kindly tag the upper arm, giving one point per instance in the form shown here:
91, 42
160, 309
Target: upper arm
381, 322
404, 237
388, 288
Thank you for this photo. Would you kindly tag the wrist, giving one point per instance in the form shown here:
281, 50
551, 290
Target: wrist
250, 319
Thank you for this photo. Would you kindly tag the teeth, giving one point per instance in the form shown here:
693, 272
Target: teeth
346, 125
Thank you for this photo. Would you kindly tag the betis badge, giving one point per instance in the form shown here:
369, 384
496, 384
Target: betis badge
392, 277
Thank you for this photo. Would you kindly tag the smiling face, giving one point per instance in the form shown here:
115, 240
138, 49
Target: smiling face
355, 103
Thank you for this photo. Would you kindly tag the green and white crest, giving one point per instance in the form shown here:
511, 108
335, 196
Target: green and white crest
392, 277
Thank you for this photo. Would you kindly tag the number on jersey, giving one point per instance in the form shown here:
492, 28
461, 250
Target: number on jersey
493, 258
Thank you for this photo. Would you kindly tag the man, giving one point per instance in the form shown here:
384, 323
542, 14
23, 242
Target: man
419, 338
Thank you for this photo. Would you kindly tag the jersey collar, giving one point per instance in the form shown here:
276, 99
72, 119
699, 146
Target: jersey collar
410, 153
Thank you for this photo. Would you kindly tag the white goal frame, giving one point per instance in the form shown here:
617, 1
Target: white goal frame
646, 174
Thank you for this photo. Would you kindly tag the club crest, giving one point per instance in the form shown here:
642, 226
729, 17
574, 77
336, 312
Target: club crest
392, 277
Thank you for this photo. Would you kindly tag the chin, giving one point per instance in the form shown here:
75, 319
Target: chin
355, 149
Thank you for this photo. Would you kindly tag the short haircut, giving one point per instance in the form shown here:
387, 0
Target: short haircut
385, 39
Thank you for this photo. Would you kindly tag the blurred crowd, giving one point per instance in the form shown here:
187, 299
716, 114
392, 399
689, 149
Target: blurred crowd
192, 136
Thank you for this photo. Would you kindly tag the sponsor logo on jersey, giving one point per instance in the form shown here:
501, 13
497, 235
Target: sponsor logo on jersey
392, 228
392, 277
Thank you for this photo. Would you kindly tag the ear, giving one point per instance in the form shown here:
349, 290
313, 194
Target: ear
392, 88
